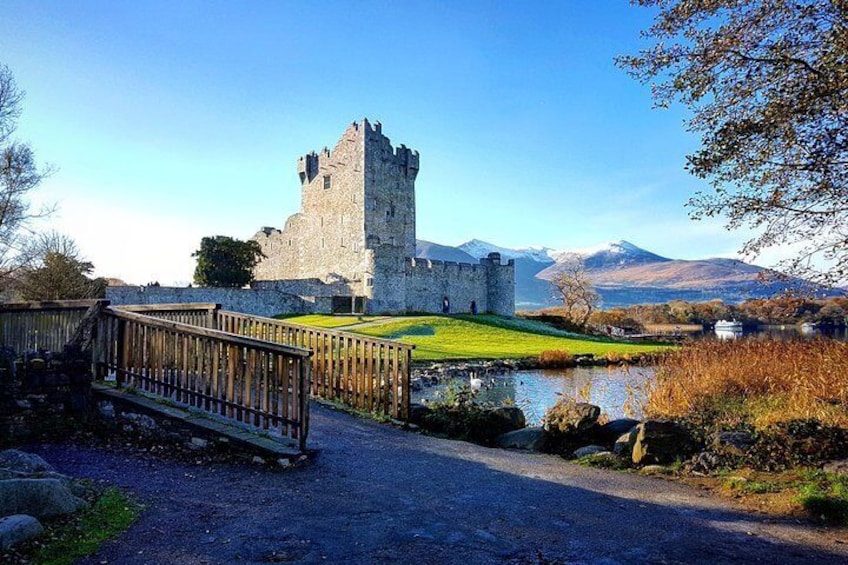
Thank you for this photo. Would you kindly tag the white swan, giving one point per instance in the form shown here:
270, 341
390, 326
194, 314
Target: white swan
475, 382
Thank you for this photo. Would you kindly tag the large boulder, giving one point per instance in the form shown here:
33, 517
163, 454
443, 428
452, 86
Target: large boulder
495, 422
530, 439
42, 498
733, 443
18, 528
660, 442
418, 413
623, 446
839, 467
614, 429
22, 462
568, 417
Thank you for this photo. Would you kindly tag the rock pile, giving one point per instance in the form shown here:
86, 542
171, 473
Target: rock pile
31, 490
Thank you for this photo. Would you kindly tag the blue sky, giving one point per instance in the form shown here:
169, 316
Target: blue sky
169, 121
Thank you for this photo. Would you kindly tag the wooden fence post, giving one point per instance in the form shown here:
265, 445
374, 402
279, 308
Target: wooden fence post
120, 352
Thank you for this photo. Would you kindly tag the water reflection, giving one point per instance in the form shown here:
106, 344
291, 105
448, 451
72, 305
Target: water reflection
780, 332
617, 390
728, 334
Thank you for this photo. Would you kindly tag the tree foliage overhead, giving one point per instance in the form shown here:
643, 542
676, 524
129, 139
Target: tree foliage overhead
19, 175
767, 82
225, 261
58, 272
572, 285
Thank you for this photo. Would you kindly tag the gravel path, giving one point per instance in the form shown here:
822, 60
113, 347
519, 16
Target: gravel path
376, 494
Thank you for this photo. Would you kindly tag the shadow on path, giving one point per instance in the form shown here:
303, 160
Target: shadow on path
376, 494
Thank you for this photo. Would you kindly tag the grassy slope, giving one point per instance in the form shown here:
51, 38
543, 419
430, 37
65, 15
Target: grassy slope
322, 321
483, 337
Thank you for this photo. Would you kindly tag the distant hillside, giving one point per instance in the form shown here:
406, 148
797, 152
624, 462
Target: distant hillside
436, 252
625, 274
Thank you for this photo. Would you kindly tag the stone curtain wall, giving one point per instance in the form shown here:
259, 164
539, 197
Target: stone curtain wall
428, 282
424, 284
259, 302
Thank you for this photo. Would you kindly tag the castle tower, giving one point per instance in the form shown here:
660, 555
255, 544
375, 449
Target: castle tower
359, 196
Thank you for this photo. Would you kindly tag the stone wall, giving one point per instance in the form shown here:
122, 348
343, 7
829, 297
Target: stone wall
429, 282
404, 284
256, 301
37, 396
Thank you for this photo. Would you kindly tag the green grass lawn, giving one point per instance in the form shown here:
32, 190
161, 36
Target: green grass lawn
483, 337
323, 321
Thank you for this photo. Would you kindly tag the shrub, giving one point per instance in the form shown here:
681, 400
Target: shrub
556, 359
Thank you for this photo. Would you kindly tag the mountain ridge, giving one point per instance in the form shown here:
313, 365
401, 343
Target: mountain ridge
625, 274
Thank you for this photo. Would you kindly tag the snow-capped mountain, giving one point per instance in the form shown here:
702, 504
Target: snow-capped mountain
434, 251
617, 254
623, 274
480, 249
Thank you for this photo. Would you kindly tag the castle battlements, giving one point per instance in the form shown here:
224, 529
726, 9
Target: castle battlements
357, 220
416, 263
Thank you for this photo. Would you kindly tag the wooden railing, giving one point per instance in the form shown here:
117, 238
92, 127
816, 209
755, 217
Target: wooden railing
28, 326
363, 372
256, 382
201, 315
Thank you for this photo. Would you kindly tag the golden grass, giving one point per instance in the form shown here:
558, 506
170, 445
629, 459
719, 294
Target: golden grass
760, 382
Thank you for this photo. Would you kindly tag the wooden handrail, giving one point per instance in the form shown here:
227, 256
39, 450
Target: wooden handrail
47, 305
204, 332
327, 331
168, 307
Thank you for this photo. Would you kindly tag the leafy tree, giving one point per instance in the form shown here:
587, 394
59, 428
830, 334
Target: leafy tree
767, 83
572, 285
225, 261
58, 272
19, 175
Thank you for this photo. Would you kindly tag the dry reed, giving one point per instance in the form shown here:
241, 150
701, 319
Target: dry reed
759, 382
556, 359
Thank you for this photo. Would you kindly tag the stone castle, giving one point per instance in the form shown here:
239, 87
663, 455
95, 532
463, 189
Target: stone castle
352, 245
351, 248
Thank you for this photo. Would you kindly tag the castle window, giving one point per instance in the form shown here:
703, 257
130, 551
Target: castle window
326, 182
392, 210
322, 242
370, 281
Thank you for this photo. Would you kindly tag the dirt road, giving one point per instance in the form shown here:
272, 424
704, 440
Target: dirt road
376, 494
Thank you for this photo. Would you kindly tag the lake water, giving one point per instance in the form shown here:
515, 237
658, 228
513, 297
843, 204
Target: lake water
782, 332
617, 390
